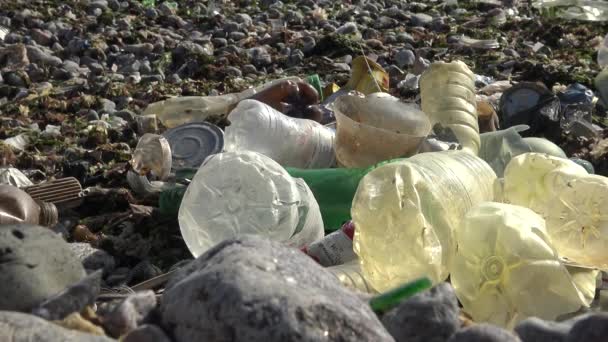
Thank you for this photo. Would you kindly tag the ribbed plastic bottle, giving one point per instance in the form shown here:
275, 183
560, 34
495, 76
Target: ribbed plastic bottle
406, 211
180, 110
245, 192
293, 142
447, 91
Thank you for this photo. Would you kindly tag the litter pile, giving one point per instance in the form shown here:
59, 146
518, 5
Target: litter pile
310, 170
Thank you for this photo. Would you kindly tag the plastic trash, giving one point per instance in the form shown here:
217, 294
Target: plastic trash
3, 32
531, 104
386, 301
192, 143
180, 110
19, 142
406, 211
334, 190
376, 128
505, 268
486, 117
571, 201
13, 176
152, 154
170, 199
293, 142
584, 163
481, 44
143, 186
351, 276
244, 192
16, 206
367, 77
64, 193
587, 10
335, 248
146, 124
447, 91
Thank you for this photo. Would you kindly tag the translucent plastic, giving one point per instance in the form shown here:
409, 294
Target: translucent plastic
13, 176
406, 211
572, 202
447, 91
244, 192
506, 270
376, 128
588, 10
351, 276
152, 154
293, 142
180, 110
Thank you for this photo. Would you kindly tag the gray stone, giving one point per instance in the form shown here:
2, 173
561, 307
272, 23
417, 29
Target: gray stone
233, 71
92, 258
421, 19
404, 37
114, 5
253, 289
153, 78
107, 106
146, 333
219, 42
431, 316
295, 57
20, 327
591, 327
35, 264
405, 58
40, 56
341, 67
484, 333
14, 79
129, 314
348, 28
236, 36
249, 69
42, 37
231, 26
167, 10
151, 13
243, 19
73, 299
534, 329
259, 56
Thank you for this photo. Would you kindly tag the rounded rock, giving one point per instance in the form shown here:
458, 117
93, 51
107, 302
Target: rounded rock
35, 264
483, 333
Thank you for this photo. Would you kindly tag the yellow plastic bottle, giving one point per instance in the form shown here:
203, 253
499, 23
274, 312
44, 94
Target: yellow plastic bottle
405, 213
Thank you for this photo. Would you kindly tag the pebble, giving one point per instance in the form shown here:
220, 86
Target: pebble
34, 255
92, 258
253, 289
348, 28
429, 316
129, 314
421, 19
259, 56
534, 329
405, 58
146, 333
20, 327
591, 327
483, 333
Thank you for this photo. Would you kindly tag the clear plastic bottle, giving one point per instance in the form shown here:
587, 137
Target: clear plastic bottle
447, 91
351, 276
244, 192
180, 110
572, 202
152, 154
506, 268
293, 142
335, 248
406, 211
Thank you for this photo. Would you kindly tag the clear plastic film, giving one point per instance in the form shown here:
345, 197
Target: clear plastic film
152, 154
572, 202
405, 213
505, 268
448, 97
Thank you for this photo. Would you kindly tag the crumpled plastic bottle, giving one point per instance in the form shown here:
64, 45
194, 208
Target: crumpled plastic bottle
447, 91
571, 201
505, 268
405, 212
301, 143
152, 154
244, 192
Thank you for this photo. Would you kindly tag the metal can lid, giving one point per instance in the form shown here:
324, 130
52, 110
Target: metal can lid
192, 143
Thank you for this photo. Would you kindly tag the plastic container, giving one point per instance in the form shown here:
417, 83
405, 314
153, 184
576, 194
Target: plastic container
152, 154
447, 91
376, 128
572, 202
334, 190
506, 270
335, 248
293, 142
244, 192
406, 211
17, 206
587, 10
180, 110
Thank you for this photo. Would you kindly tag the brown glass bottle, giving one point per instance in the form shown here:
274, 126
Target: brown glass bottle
17, 206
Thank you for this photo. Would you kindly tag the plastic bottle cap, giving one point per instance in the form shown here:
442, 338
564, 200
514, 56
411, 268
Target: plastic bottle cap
192, 143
